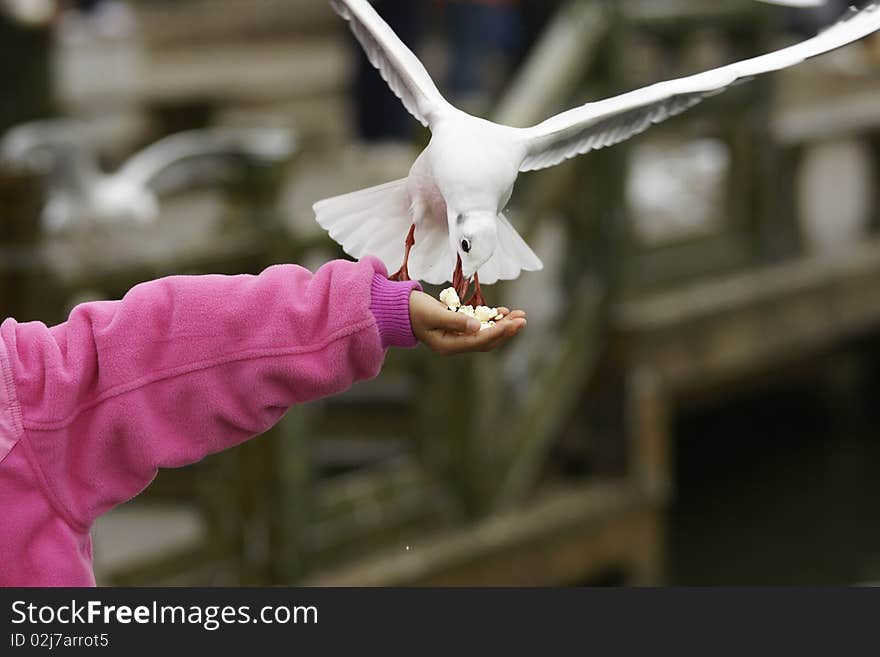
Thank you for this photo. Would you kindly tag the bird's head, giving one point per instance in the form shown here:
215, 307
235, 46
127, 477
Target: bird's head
474, 237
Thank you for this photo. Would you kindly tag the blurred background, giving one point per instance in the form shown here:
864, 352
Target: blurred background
694, 399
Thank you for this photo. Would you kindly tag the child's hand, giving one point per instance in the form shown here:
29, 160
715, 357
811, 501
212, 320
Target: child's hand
449, 333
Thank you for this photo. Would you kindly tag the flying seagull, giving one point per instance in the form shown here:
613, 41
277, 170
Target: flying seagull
78, 190
448, 214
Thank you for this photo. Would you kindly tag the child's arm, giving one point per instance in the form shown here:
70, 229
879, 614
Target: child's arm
187, 366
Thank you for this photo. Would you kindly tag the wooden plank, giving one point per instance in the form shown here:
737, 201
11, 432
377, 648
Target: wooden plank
199, 21
816, 101
246, 72
716, 296
565, 538
714, 332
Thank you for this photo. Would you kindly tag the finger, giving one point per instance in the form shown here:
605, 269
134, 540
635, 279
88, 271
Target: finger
510, 332
483, 341
506, 327
501, 340
513, 314
497, 343
446, 320
514, 326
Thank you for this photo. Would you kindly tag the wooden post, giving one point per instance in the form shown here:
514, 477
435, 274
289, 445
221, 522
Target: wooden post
24, 73
650, 470
290, 447
25, 292
647, 422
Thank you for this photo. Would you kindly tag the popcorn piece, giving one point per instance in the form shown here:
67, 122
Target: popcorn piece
450, 297
484, 314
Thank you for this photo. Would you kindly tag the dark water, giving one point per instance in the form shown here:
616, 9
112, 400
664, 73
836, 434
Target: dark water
780, 488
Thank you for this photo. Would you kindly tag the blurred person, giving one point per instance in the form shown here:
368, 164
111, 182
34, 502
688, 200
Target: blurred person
91, 20
536, 14
486, 37
87, 5
181, 368
380, 116
487, 40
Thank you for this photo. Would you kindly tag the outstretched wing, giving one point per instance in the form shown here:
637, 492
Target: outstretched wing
608, 122
179, 160
399, 66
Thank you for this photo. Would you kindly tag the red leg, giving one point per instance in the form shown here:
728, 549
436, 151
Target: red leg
477, 298
458, 281
403, 272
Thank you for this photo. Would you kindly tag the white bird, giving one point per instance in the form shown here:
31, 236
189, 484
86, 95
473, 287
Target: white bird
78, 191
452, 203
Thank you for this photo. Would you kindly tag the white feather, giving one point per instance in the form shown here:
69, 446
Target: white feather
399, 67
511, 257
608, 122
372, 221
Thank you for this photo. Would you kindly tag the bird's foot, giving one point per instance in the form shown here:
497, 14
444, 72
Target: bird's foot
477, 298
402, 275
459, 282
461, 289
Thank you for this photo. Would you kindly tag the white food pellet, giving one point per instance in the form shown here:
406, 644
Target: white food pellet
487, 317
484, 313
450, 297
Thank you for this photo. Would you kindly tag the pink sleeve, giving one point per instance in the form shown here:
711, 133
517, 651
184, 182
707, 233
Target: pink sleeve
187, 366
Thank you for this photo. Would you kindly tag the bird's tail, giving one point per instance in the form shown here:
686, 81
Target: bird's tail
373, 221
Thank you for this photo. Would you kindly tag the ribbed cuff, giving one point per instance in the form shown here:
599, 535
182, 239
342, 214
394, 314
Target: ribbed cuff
390, 306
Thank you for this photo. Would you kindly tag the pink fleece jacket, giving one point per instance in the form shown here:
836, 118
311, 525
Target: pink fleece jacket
180, 368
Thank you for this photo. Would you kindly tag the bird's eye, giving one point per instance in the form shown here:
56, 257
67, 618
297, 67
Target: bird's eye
466, 246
